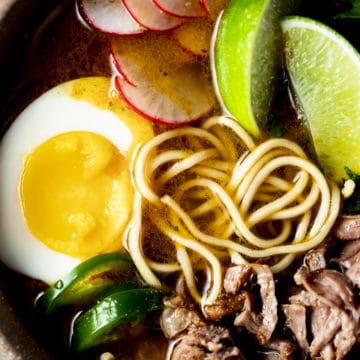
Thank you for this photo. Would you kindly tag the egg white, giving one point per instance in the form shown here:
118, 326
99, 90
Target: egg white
51, 114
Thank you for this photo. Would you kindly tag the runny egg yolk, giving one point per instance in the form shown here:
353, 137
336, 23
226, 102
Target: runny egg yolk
76, 194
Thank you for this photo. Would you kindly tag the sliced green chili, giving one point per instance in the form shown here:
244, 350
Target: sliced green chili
96, 325
89, 279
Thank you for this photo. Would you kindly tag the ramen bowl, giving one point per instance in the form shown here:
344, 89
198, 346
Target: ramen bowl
35, 27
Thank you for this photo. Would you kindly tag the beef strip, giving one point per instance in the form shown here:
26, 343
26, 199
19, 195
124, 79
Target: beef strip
227, 305
261, 324
350, 254
346, 338
206, 343
347, 227
353, 274
327, 297
332, 327
175, 321
330, 286
296, 321
350, 260
325, 324
305, 298
327, 353
236, 277
278, 349
316, 259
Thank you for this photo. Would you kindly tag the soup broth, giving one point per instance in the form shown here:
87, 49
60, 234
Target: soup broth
58, 48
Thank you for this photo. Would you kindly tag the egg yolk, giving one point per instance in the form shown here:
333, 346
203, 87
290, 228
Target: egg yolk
76, 194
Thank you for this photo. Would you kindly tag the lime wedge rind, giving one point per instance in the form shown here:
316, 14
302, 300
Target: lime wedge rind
324, 71
246, 57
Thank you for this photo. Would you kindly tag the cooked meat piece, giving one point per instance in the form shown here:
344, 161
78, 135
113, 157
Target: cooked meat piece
332, 326
327, 353
348, 227
346, 338
278, 349
353, 274
249, 319
206, 343
350, 260
328, 298
175, 301
175, 321
260, 324
236, 277
269, 315
305, 298
325, 323
226, 306
330, 286
315, 259
296, 321
350, 254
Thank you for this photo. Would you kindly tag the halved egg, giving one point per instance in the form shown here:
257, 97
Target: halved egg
65, 189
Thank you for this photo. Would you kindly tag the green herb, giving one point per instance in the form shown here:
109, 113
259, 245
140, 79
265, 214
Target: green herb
275, 125
352, 204
353, 12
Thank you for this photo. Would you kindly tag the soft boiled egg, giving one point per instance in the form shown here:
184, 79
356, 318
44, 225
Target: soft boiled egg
65, 189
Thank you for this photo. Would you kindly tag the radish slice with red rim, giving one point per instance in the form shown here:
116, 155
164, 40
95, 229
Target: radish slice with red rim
160, 80
178, 98
181, 8
139, 58
117, 69
108, 16
150, 16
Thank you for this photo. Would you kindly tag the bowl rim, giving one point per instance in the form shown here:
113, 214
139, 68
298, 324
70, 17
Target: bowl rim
16, 341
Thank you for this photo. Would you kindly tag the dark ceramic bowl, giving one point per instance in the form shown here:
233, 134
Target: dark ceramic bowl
17, 19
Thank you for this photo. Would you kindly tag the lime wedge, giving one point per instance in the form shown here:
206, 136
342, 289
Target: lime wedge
324, 71
246, 54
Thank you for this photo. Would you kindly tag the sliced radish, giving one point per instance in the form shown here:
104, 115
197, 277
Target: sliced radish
148, 15
181, 8
117, 70
195, 36
213, 7
139, 58
108, 16
175, 99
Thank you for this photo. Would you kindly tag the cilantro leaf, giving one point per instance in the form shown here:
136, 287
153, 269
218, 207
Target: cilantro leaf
353, 12
352, 204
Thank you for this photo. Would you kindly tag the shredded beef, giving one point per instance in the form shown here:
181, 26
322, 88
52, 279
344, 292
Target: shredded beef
206, 343
327, 301
261, 324
316, 259
322, 312
330, 286
350, 254
348, 227
225, 306
278, 349
353, 274
175, 321
236, 277
296, 321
